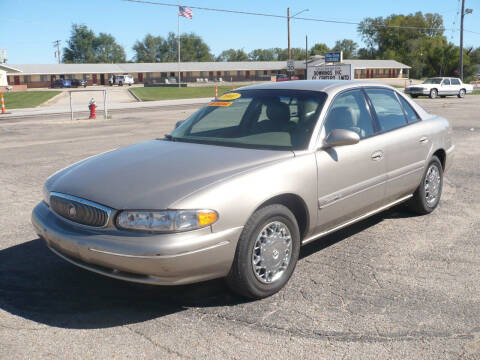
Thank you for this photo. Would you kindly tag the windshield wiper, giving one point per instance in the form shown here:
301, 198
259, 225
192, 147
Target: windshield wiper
169, 137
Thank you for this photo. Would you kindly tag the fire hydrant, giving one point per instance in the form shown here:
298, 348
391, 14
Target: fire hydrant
92, 108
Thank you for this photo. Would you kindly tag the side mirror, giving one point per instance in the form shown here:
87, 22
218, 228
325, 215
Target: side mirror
341, 137
178, 123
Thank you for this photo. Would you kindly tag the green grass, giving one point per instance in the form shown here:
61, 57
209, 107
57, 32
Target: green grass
475, 92
27, 99
170, 93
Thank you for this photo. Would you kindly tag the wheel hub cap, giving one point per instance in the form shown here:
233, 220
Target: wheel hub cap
272, 252
432, 185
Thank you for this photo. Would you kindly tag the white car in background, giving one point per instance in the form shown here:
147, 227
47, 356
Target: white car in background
121, 80
439, 86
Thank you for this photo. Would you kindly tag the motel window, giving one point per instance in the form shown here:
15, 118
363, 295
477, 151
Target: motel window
87, 77
43, 78
27, 79
384, 71
227, 73
203, 74
219, 73
377, 72
240, 73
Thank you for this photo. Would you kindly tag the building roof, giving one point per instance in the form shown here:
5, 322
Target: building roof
8, 68
38, 69
41, 69
376, 64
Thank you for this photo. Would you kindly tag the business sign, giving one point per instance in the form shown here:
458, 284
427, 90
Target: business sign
330, 72
334, 57
290, 65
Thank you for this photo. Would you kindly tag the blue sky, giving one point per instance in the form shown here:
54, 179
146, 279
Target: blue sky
29, 27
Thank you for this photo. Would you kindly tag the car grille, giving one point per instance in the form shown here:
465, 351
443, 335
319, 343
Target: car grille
79, 211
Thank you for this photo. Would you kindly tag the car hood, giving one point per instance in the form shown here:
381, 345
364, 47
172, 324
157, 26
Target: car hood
156, 173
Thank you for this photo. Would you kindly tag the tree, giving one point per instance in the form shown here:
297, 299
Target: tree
85, 47
262, 55
319, 49
107, 50
349, 48
150, 49
415, 39
158, 49
233, 55
81, 45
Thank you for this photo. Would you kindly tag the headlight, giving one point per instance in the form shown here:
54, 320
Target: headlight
46, 195
166, 221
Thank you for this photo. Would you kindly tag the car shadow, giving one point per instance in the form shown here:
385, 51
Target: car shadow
37, 285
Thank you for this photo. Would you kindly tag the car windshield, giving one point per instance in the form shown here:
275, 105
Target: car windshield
433, 81
259, 119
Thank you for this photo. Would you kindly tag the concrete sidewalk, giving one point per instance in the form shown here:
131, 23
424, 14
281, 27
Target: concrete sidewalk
53, 110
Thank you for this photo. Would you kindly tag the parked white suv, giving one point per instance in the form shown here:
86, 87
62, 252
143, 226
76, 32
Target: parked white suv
121, 80
439, 86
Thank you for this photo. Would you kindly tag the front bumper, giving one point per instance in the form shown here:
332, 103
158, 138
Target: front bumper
417, 91
162, 259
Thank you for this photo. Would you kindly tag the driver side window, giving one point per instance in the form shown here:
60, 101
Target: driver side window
349, 112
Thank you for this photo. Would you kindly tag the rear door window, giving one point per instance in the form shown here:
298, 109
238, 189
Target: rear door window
387, 108
409, 112
455, 82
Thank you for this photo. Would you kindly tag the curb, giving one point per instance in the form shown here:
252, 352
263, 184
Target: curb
135, 96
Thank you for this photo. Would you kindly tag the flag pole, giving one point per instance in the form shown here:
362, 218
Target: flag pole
178, 40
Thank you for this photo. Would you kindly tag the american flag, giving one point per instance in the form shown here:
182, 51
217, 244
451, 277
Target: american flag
185, 12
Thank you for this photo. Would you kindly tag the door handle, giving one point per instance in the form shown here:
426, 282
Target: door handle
377, 155
423, 139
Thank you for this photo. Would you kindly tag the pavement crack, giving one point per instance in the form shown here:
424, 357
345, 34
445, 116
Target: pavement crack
154, 343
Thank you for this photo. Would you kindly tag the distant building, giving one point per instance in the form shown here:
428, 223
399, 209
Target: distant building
4, 69
42, 75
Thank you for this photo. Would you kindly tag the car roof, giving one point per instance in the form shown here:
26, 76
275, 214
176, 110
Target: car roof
328, 86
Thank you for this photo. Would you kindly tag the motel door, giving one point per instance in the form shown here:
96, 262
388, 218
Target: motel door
140, 77
16, 80
94, 78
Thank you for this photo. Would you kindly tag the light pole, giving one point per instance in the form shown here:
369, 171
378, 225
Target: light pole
464, 12
288, 29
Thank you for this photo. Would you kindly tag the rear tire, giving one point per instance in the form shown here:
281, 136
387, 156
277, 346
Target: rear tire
433, 93
427, 196
266, 253
414, 96
461, 94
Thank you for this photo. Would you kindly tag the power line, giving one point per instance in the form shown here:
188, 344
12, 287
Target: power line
285, 17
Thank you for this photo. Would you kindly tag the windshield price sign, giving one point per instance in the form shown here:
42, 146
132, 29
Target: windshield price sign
330, 72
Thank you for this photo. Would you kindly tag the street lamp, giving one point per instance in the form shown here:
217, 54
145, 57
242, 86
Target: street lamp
288, 31
464, 12
288, 27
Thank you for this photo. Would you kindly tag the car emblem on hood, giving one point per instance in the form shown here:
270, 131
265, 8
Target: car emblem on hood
72, 211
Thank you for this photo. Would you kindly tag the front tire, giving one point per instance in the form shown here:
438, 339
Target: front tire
433, 93
461, 94
266, 253
427, 196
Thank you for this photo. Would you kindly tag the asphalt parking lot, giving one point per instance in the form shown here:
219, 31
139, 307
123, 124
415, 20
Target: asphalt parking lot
394, 286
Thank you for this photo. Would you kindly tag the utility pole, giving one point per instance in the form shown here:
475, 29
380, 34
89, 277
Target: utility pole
288, 30
57, 44
463, 13
306, 56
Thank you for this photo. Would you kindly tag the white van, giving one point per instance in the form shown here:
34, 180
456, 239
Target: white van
121, 80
